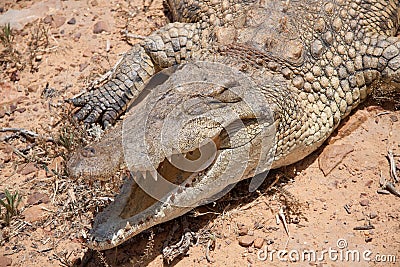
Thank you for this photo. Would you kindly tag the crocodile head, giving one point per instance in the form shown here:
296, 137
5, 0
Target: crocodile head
187, 142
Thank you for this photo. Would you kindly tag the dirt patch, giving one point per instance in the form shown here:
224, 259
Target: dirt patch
56, 56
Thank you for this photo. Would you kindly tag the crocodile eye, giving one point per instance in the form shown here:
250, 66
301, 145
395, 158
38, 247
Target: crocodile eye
88, 152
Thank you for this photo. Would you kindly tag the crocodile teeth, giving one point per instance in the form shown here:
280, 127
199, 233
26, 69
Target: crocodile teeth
150, 175
120, 233
141, 174
114, 238
153, 173
128, 226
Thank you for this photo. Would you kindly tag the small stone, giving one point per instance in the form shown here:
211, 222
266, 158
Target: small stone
13, 107
71, 21
369, 183
34, 213
32, 89
2, 113
58, 21
27, 169
100, 27
48, 19
394, 118
364, 202
83, 66
246, 241
21, 110
243, 230
37, 198
373, 215
5, 261
14, 76
259, 242
77, 36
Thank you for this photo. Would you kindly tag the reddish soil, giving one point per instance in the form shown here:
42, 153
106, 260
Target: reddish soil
54, 58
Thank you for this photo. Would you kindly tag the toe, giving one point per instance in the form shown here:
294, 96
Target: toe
109, 117
83, 112
93, 116
79, 101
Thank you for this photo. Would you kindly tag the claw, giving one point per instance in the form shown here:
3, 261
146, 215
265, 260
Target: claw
79, 101
109, 117
83, 112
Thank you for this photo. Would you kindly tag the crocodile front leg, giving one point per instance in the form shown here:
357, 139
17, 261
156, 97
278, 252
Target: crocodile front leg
168, 46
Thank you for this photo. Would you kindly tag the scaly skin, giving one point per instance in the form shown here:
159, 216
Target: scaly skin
309, 62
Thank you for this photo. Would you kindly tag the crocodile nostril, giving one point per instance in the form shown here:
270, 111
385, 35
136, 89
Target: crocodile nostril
88, 152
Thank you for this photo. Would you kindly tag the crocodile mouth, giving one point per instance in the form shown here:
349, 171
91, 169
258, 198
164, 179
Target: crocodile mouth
220, 132
148, 198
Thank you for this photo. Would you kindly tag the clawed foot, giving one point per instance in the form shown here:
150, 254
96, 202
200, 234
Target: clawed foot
100, 105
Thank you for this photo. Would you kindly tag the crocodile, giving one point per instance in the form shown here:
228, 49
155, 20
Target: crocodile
227, 91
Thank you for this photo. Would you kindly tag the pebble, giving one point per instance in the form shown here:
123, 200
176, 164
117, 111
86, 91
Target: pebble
83, 66
100, 27
27, 169
373, 215
393, 118
48, 19
71, 21
369, 183
243, 230
77, 36
21, 110
364, 202
34, 213
14, 76
246, 241
58, 21
37, 198
32, 89
259, 242
5, 261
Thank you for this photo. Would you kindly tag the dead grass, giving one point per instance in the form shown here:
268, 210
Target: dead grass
14, 60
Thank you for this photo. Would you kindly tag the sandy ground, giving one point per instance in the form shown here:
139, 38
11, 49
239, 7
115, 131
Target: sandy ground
56, 56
